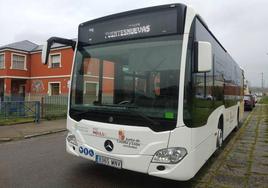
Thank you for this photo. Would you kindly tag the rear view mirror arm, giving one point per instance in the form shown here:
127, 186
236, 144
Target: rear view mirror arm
67, 42
58, 40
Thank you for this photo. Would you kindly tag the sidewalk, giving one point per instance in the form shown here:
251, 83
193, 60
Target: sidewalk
28, 130
244, 160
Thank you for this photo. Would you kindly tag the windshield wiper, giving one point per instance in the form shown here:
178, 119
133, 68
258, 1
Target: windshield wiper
100, 106
155, 123
81, 112
134, 112
128, 108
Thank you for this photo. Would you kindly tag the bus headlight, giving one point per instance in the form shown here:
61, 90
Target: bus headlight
72, 139
169, 155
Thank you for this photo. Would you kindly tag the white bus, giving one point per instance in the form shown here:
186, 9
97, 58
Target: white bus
152, 91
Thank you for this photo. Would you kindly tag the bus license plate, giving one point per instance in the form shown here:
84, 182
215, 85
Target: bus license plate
108, 161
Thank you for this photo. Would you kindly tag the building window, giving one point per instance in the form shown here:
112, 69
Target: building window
18, 62
54, 88
2, 61
55, 60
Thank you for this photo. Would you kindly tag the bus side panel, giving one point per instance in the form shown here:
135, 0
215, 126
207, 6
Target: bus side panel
203, 151
230, 120
180, 137
204, 139
70, 124
200, 143
192, 162
200, 134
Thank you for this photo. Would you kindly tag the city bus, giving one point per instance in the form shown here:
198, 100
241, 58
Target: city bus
152, 91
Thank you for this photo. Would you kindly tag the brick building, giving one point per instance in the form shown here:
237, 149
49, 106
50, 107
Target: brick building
22, 75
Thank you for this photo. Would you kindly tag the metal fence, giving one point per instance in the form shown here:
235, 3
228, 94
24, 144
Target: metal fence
54, 106
50, 107
20, 109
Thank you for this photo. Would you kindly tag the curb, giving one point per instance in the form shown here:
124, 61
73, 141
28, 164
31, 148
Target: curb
32, 135
5, 139
44, 133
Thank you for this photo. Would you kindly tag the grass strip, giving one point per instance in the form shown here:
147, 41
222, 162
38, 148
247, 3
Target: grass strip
228, 151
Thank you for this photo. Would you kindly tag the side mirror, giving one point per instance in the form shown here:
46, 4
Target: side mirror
47, 46
202, 56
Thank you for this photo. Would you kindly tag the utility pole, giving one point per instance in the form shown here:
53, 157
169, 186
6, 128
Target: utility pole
262, 81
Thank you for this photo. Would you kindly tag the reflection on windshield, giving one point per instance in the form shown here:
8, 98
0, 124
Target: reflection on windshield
143, 74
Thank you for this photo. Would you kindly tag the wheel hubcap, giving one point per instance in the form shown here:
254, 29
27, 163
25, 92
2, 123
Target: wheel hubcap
219, 138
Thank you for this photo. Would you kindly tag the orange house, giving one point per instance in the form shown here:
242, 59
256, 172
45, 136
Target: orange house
23, 76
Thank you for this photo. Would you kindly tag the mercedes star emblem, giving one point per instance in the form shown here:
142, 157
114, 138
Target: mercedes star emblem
108, 145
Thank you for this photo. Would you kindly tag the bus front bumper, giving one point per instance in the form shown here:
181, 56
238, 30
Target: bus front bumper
140, 163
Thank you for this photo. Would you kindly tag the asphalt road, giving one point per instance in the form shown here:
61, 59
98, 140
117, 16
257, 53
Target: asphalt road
43, 162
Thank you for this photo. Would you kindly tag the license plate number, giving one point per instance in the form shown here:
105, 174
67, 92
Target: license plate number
108, 161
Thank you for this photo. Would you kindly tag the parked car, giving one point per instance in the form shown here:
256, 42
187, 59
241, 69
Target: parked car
249, 102
201, 96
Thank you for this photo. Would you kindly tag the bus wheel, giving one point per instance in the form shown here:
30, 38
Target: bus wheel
219, 135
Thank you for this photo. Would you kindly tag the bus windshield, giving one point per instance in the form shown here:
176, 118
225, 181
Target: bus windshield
129, 82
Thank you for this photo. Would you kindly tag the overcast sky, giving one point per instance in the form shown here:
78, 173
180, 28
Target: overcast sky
240, 25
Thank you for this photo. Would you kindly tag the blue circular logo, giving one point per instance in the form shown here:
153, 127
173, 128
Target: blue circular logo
91, 152
85, 151
81, 149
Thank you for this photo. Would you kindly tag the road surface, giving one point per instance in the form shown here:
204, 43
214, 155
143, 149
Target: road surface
43, 162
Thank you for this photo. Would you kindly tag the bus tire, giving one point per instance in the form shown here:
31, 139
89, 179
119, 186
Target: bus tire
220, 133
